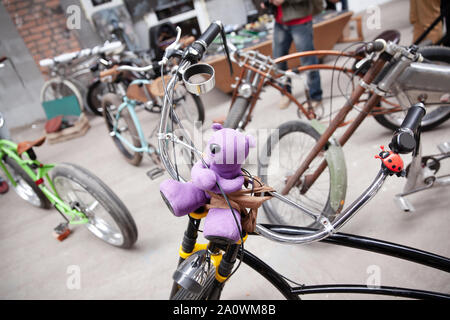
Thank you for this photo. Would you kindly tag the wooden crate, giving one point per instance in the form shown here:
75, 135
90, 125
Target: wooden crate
79, 129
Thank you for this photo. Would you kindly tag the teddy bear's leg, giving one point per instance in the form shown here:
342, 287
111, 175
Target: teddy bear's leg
182, 198
221, 225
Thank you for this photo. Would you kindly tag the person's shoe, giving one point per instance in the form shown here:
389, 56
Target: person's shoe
4, 186
284, 103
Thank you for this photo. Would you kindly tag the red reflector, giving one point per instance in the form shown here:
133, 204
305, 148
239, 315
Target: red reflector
39, 181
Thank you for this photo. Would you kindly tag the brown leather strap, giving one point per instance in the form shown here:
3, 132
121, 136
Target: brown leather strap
244, 201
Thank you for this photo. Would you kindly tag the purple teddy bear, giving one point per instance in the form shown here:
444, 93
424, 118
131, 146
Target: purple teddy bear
226, 152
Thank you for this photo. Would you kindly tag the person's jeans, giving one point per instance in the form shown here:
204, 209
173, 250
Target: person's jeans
302, 35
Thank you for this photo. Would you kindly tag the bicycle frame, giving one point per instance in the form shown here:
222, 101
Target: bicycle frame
130, 105
8, 149
341, 239
426, 71
268, 74
231, 251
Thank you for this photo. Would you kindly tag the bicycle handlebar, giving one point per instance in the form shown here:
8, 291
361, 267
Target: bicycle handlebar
404, 140
377, 45
67, 57
191, 56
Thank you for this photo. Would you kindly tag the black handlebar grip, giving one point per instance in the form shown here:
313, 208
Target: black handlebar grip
404, 140
375, 46
414, 117
195, 51
211, 33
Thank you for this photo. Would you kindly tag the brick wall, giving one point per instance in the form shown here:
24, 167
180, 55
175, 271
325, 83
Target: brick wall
42, 25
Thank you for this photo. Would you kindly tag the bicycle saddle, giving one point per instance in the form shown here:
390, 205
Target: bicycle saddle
27, 145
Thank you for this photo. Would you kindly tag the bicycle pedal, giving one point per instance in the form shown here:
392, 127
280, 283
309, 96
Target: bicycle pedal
155, 173
62, 231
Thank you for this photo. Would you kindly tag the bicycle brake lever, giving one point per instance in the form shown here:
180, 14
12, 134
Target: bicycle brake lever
172, 47
227, 51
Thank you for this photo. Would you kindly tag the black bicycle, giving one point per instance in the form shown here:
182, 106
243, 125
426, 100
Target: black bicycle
204, 269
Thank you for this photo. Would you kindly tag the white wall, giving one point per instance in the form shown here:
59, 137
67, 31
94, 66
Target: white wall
361, 5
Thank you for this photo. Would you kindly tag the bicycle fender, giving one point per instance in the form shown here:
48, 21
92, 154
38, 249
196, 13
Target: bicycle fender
338, 169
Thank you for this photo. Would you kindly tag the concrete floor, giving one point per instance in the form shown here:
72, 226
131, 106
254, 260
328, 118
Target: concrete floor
36, 266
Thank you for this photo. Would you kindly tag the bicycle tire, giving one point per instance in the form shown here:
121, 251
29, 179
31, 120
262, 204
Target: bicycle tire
71, 86
105, 197
44, 203
435, 117
198, 106
92, 102
236, 113
132, 157
269, 208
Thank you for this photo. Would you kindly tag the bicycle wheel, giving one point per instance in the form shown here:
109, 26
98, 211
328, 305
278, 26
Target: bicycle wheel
281, 156
188, 106
437, 112
109, 219
26, 188
94, 96
183, 158
125, 126
58, 88
236, 113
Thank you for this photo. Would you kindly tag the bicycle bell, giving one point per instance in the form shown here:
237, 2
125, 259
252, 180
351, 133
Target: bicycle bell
192, 273
199, 78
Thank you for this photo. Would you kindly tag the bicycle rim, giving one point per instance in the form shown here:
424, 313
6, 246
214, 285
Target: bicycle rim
188, 106
23, 188
100, 222
284, 158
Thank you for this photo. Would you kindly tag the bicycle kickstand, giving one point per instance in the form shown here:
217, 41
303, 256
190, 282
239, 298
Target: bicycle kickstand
405, 204
155, 172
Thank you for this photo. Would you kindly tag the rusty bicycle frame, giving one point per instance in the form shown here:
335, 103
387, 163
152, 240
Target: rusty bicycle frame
268, 77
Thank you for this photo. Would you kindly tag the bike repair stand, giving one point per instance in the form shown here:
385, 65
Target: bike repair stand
422, 176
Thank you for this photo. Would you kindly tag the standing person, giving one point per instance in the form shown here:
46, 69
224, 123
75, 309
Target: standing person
422, 13
293, 22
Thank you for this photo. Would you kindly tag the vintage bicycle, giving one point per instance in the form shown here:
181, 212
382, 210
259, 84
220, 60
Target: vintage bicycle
144, 93
204, 269
70, 74
78, 195
318, 177
258, 71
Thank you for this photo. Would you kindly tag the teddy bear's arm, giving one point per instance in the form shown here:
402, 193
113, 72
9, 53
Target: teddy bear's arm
203, 178
230, 185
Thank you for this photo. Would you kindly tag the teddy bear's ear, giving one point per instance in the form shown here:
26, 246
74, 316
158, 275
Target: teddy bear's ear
216, 126
250, 141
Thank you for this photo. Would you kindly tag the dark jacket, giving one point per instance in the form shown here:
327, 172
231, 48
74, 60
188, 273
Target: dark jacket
295, 9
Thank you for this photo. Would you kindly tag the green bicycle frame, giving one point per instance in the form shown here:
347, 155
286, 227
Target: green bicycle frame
40, 177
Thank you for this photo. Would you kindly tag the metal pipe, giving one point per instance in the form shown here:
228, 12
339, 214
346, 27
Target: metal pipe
318, 235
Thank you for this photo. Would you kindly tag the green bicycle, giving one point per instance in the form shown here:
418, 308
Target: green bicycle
78, 195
